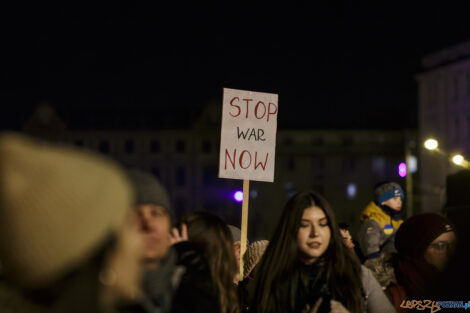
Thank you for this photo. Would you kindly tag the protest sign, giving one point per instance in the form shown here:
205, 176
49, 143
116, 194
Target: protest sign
248, 135
248, 144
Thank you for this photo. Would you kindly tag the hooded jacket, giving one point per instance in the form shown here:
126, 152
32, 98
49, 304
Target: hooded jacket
377, 232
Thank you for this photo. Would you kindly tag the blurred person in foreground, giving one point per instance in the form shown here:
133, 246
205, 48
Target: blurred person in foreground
68, 241
307, 268
453, 285
177, 276
425, 245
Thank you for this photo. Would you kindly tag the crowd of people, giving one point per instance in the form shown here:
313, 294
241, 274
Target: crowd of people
78, 233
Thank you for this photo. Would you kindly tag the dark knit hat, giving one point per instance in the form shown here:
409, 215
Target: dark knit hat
387, 190
416, 233
149, 190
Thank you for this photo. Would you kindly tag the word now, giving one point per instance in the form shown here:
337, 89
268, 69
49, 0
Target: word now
260, 109
257, 135
245, 160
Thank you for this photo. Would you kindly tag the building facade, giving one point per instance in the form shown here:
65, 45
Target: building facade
342, 165
444, 114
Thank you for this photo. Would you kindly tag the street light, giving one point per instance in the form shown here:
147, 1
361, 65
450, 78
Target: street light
458, 159
431, 144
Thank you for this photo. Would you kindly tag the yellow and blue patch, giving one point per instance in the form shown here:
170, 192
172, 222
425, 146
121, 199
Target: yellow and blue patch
388, 229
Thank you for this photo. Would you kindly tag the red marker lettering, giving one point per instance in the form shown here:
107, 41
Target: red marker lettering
274, 109
247, 104
257, 108
232, 161
234, 105
260, 164
241, 159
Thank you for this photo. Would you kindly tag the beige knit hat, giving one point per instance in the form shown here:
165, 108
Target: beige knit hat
57, 206
253, 255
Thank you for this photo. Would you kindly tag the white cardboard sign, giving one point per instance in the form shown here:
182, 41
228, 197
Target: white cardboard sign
248, 136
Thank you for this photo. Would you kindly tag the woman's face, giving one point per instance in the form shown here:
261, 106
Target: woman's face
440, 250
313, 236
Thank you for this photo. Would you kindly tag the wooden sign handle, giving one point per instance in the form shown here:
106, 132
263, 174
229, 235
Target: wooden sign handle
244, 228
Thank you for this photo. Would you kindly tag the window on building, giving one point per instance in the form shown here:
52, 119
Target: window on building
104, 146
155, 170
180, 205
291, 164
180, 176
347, 141
154, 146
129, 146
468, 127
212, 206
209, 175
351, 190
455, 83
206, 146
349, 164
288, 141
180, 146
319, 163
433, 93
378, 164
467, 83
318, 141
320, 189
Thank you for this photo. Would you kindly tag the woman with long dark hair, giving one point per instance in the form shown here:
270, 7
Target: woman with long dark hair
213, 238
306, 260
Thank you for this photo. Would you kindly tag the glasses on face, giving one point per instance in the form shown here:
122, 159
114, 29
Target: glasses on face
442, 246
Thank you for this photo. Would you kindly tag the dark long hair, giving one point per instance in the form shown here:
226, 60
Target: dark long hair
277, 267
213, 237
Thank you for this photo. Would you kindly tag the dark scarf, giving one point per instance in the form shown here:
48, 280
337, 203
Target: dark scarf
394, 214
159, 285
312, 285
416, 276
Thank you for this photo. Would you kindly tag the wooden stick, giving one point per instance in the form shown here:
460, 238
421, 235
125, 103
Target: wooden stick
246, 194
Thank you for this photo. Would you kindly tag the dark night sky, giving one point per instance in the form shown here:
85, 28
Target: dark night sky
344, 66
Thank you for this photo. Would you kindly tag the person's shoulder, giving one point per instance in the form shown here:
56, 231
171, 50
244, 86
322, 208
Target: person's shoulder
370, 225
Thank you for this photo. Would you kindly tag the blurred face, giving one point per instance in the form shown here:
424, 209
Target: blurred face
395, 203
440, 250
155, 229
347, 238
121, 276
313, 236
236, 250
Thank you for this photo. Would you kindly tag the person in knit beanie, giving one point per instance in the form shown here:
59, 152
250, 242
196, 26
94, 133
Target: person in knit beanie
425, 244
380, 220
154, 213
176, 274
